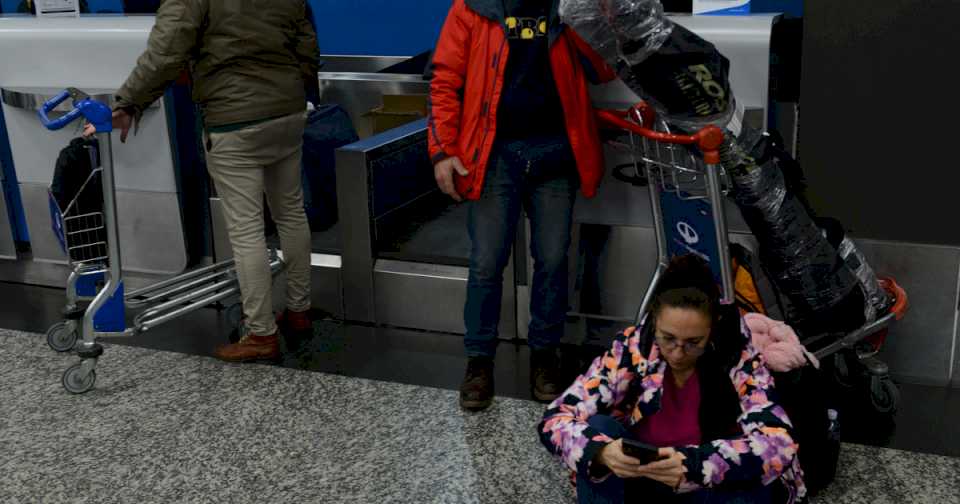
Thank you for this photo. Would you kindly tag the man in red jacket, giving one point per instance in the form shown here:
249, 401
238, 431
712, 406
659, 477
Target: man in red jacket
512, 129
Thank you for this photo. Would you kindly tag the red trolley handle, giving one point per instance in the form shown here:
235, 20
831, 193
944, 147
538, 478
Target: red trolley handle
901, 303
708, 139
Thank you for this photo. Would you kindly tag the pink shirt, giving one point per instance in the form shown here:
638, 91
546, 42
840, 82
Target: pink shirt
678, 421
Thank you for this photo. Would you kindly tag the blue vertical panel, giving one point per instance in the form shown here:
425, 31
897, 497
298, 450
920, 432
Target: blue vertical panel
105, 6
9, 6
370, 27
791, 7
11, 189
379, 27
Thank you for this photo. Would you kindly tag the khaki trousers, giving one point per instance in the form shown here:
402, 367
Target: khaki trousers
245, 164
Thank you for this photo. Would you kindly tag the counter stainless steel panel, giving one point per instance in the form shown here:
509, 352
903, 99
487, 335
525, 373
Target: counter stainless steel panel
8, 249
335, 63
31, 99
143, 163
615, 265
431, 297
326, 292
151, 226
151, 237
919, 348
356, 221
359, 93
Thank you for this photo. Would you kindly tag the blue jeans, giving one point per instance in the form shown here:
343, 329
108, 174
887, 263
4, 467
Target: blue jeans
614, 490
508, 188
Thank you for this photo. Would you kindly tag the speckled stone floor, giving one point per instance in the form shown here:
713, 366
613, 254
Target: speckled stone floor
170, 427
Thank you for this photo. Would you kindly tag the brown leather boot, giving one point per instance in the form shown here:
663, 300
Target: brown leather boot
295, 321
249, 348
476, 391
545, 374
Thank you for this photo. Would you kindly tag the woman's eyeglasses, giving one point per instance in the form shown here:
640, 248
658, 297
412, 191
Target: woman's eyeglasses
669, 343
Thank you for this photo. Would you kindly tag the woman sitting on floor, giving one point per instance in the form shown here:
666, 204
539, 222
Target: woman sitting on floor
690, 383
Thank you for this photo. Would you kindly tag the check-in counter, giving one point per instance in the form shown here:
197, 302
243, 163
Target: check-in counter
39, 57
8, 246
405, 263
399, 248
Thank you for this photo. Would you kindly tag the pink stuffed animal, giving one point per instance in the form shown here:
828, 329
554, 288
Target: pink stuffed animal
779, 344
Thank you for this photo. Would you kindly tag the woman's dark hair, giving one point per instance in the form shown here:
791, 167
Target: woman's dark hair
688, 282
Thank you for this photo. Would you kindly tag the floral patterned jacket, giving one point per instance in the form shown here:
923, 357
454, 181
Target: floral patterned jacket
764, 453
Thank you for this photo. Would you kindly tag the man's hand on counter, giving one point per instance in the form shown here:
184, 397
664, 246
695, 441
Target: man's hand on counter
121, 121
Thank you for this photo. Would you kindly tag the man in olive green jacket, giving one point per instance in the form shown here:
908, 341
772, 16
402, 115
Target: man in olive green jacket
253, 66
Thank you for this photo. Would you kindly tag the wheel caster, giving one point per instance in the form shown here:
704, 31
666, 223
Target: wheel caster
884, 394
60, 338
75, 382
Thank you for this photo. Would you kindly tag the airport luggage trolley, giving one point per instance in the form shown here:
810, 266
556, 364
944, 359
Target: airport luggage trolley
88, 232
687, 186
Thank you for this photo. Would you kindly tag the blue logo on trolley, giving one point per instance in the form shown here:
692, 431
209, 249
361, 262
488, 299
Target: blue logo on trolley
689, 228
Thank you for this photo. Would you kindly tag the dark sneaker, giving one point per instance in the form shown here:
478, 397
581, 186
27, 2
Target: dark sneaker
476, 391
545, 374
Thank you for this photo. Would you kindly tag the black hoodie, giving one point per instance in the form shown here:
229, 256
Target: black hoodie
530, 104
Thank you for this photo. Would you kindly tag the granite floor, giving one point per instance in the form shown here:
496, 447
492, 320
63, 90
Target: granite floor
173, 427
167, 427
925, 422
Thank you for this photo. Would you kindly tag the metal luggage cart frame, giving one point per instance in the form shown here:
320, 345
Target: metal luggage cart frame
677, 176
672, 169
90, 239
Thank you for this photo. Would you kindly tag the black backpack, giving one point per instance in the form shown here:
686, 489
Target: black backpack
800, 392
78, 192
328, 128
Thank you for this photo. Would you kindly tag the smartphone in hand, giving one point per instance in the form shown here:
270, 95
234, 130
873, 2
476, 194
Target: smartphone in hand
641, 451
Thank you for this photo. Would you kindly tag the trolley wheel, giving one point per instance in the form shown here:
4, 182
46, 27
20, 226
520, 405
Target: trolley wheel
60, 339
74, 381
884, 394
842, 374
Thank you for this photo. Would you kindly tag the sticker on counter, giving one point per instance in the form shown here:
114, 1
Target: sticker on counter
58, 8
721, 7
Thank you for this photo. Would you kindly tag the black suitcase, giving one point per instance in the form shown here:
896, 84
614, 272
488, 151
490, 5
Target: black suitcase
328, 128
